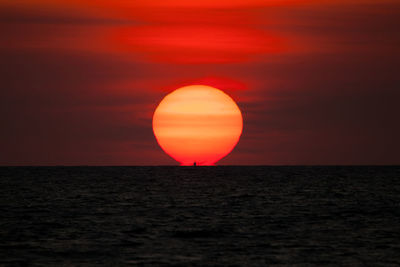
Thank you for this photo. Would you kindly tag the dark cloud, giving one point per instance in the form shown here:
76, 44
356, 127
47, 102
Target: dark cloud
55, 105
9, 16
324, 110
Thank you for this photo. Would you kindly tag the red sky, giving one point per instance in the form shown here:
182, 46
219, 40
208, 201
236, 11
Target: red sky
317, 81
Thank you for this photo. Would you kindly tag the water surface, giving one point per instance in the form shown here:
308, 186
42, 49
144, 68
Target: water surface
196, 216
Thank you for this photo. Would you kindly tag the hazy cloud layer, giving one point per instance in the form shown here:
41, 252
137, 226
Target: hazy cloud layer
317, 82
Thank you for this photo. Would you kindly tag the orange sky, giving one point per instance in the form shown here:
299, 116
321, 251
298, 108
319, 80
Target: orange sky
316, 80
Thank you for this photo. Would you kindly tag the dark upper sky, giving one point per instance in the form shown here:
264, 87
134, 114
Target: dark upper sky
317, 81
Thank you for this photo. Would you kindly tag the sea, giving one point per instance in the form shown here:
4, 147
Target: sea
200, 216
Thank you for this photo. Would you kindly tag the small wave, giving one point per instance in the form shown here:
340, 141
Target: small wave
198, 233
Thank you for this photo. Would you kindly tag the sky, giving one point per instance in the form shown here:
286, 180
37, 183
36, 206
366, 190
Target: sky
317, 81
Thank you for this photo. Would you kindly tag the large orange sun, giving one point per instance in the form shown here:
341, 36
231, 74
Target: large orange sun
197, 124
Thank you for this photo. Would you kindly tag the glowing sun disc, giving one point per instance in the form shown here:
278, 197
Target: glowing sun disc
197, 124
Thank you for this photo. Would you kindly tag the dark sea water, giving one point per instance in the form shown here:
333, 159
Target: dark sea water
200, 216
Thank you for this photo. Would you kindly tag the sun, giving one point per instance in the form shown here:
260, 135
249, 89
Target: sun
197, 124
